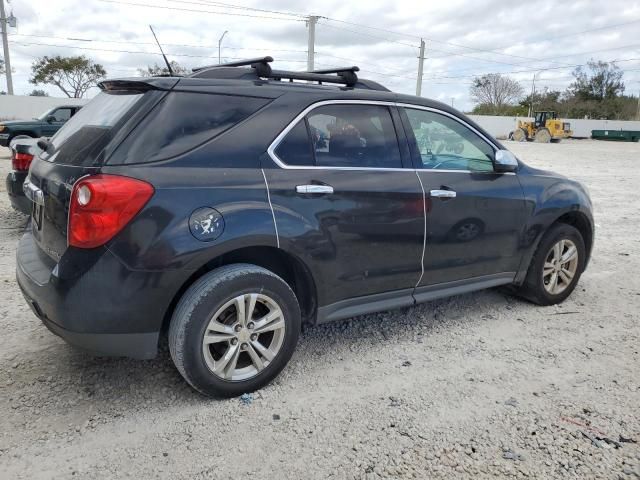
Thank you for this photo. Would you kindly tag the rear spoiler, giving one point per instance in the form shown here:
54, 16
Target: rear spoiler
137, 84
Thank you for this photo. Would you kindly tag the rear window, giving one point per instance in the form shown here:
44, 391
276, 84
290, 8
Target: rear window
86, 134
183, 121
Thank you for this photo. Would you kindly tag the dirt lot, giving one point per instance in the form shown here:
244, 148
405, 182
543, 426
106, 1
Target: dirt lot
468, 387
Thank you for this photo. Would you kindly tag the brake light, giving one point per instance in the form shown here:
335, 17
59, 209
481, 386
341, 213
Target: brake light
21, 162
101, 206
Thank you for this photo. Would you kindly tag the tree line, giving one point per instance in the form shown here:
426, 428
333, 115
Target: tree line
597, 91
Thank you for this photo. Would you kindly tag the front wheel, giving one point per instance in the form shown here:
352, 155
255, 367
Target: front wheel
234, 330
556, 266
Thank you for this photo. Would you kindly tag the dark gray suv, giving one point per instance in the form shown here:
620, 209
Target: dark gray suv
228, 207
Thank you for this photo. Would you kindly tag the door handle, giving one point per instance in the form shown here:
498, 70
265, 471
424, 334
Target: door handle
314, 189
443, 193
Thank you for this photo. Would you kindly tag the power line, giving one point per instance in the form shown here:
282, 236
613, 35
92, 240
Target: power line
126, 42
494, 51
135, 52
237, 7
577, 54
167, 7
528, 70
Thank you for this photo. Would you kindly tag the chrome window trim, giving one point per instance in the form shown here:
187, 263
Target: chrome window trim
454, 117
271, 151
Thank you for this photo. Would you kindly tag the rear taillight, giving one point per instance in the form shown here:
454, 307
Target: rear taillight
102, 205
21, 162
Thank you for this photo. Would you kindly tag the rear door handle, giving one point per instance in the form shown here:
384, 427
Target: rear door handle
314, 189
443, 193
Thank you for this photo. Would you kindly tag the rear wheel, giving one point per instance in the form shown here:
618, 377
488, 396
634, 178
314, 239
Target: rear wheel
234, 330
556, 266
543, 136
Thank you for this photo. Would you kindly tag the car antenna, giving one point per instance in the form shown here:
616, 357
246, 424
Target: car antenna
161, 51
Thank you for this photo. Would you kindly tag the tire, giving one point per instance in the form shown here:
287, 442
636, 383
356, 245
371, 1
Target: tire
537, 286
543, 135
212, 302
519, 135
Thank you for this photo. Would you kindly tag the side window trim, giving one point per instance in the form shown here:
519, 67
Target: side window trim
400, 108
310, 138
401, 135
271, 151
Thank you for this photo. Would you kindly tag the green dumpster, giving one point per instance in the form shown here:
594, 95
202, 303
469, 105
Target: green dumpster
616, 135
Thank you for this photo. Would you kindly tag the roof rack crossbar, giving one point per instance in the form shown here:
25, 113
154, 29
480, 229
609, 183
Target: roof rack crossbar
344, 75
311, 76
338, 70
240, 63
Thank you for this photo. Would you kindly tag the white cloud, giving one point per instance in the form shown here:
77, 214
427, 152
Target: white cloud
527, 37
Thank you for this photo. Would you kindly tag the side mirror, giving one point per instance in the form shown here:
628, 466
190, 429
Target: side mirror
505, 161
51, 119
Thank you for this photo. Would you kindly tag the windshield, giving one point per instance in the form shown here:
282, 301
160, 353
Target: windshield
44, 116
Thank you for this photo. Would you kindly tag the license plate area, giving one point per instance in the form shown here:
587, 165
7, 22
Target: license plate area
36, 215
36, 196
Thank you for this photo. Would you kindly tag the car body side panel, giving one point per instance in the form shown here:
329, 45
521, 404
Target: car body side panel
365, 238
549, 196
159, 237
476, 233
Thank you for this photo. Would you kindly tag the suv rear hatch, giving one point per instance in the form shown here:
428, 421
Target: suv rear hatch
79, 149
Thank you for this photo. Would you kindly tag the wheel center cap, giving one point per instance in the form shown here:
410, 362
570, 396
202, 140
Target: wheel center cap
244, 335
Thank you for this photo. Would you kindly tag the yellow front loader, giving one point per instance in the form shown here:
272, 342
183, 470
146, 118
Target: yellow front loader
546, 127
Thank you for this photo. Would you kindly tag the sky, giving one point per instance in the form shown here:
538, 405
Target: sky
463, 39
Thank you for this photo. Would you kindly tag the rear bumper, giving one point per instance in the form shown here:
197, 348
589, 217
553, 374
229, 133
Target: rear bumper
134, 345
93, 301
16, 194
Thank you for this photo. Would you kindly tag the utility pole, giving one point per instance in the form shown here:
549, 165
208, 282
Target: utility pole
533, 91
5, 46
420, 68
311, 24
219, 44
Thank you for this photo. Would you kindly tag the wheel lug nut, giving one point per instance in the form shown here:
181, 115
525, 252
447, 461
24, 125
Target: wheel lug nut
251, 325
234, 341
243, 346
237, 328
254, 337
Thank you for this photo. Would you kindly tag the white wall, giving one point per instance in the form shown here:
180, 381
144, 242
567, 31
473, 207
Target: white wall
24, 107
501, 126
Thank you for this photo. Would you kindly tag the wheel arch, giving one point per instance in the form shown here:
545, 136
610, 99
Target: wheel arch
287, 266
577, 219
580, 222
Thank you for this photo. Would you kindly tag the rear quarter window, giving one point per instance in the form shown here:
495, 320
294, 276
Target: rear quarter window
182, 122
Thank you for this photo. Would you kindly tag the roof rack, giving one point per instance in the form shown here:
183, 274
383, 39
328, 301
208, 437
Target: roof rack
260, 64
260, 68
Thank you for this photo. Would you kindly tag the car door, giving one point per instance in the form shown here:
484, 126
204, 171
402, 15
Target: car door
345, 204
474, 216
55, 120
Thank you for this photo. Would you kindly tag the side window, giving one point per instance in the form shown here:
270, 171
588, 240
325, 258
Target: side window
62, 114
445, 144
354, 136
183, 121
295, 149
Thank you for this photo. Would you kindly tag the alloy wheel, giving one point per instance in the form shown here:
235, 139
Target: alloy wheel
560, 267
243, 337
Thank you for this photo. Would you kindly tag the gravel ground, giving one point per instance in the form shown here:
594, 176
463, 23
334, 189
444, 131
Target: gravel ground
473, 386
